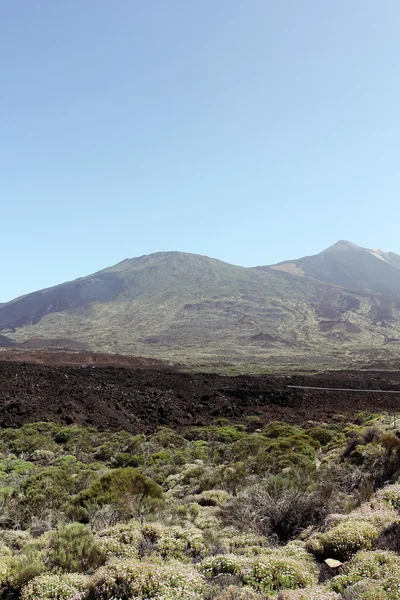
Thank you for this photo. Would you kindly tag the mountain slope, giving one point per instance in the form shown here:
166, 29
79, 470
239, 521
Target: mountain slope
184, 306
350, 266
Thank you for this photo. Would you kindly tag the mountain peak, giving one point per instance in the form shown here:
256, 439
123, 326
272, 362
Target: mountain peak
342, 246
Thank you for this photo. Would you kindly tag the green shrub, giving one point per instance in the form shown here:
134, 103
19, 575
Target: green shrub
265, 573
121, 541
5, 571
225, 434
367, 565
227, 564
279, 429
48, 489
139, 579
122, 486
25, 567
73, 548
274, 573
309, 593
233, 592
323, 435
344, 540
174, 541
55, 587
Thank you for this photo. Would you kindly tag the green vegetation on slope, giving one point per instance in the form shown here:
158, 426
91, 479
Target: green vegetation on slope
191, 308
223, 512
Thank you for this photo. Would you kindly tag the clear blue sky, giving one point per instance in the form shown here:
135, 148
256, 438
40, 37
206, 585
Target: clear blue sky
248, 130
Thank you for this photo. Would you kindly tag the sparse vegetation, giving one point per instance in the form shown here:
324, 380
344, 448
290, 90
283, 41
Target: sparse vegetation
222, 512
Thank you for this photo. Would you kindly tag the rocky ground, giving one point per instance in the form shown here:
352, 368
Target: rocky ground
140, 394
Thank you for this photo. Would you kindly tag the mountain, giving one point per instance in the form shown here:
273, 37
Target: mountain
192, 308
350, 266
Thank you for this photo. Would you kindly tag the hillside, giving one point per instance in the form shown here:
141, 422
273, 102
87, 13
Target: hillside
350, 266
187, 307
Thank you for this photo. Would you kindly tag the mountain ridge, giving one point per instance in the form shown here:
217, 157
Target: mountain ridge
350, 266
185, 306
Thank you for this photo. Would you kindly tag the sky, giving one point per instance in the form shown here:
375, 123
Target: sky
252, 131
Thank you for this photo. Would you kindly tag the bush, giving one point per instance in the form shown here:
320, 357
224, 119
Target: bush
344, 540
44, 491
367, 565
227, 564
277, 510
25, 567
138, 579
265, 573
55, 587
120, 541
5, 570
73, 548
174, 542
279, 429
124, 486
274, 573
309, 593
233, 592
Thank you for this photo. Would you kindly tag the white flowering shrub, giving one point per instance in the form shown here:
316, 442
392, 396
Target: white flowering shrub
120, 541
227, 564
391, 495
309, 593
367, 589
275, 573
344, 540
266, 573
145, 580
378, 512
174, 542
205, 517
236, 542
56, 587
367, 565
233, 592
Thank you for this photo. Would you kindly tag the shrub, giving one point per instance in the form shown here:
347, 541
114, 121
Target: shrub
227, 564
73, 548
174, 542
46, 490
265, 573
15, 539
124, 486
390, 494
277, 510
138, 579
274, 573
279, 429
233, 592
309, 593
211, 498
367, 565
121, 541
55, 587
225, 434
323, 435
344, 540
5, 570
25, 567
